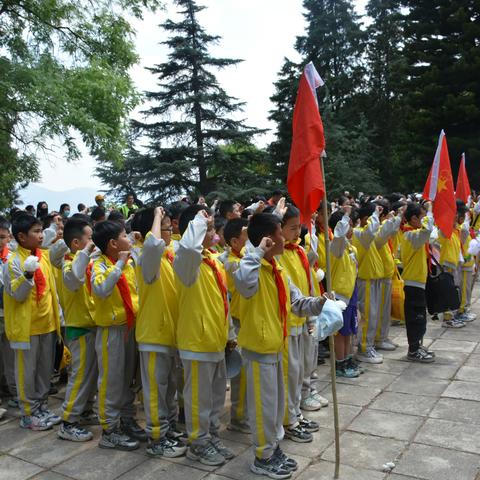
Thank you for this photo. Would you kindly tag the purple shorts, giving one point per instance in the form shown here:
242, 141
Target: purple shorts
350, 318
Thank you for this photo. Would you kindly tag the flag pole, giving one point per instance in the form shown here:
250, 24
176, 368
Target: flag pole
328, 279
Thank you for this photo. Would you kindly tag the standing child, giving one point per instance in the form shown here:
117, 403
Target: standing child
114, 291
415, 254
370, 271
235, 234
32, 321
80, 331
270, 296
202, 334
156, 330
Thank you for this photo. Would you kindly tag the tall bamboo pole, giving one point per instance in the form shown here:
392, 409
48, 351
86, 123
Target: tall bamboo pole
328, 278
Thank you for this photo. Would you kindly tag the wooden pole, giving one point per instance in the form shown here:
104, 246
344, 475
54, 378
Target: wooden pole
328, 278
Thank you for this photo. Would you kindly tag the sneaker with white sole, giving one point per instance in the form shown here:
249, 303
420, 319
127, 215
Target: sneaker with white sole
221, 448
36, 423
53, 418
420, 356
370, 356
287, 462
308, 425
206, 454
470, 317
89, 418
310, 404
271, 467
166, 447
298, 434
74, 432
452, 324
321, 400
117, 440
386, 345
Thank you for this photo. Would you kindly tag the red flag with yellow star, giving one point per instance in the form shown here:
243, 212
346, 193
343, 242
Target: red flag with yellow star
439, 188
463, 190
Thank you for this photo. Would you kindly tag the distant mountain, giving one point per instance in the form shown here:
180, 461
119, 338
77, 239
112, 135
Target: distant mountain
35, 193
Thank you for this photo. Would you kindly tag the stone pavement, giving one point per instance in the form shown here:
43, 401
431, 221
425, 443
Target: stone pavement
424, 418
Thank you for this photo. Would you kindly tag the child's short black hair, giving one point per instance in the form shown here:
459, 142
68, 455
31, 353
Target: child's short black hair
335, 217
74, 228
116, 216
398, 204
176, 209
385, 204
4, 224
262, 225
81, 207
97, 214
82, 216
366, 210
225, 207
143, 220
461, 207
23, 223
233, 228
188, 215
220, 223
105, 231
292, 212
413, 210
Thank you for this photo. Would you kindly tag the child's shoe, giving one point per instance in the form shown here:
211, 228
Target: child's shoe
89, 418
130, 427
354, 365
370, 356
74, 432
421, 356
117, 440
206, 454
310, 404
51, 417
386, 345
452, 324
166, 447
308, 425
271, 467
35, 422
322, 400
226, 453
289, 463
239, 426
297, 434
349, 371
13, 403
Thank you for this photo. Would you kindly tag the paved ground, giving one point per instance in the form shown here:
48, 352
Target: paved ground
424, 418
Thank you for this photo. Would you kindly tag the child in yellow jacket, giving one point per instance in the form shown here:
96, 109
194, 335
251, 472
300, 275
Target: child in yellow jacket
202, 334
114, 290
80, 331
155, 331
269, 298
32, 321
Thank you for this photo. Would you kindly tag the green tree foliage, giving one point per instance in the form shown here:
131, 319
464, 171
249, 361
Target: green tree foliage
192, 119
63, 70
441, 89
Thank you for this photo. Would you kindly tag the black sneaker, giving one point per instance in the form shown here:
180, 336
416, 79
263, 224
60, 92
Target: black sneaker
221, 448
297, 434
131, 428
426, 350
309, 425
166, 447
420, 356
117, 440
271, 467
206, 454
351, 363
287, 462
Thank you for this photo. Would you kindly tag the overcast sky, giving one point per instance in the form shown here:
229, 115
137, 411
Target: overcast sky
261, 33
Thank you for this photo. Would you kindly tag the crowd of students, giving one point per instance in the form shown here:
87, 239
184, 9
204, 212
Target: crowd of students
150, 301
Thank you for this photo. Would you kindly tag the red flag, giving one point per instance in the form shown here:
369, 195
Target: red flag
305, 179
463, 191
439, 188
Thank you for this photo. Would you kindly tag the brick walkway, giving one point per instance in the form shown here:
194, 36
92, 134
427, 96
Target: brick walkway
424, 418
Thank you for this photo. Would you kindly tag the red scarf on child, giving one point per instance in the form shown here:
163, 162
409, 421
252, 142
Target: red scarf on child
305, 264
39, 277
282, 296
4, 254
236, 253
124, 290
169, 256
220, 282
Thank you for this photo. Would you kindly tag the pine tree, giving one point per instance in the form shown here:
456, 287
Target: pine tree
442, 89
191, 117
386, 68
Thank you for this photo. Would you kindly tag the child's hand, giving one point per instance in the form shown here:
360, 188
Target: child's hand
347, 209
204, 214
266, 244
379, 210
391, 215
261, 207
329, 296
281, 209
160, 212
123, 256
31, 264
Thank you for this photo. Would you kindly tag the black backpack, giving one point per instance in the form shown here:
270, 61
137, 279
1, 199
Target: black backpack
441, 292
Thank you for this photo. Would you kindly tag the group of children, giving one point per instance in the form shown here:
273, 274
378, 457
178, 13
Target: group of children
181, 291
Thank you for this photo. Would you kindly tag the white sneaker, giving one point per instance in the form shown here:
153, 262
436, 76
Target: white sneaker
452, 324
370, 356
322, 400
386, 344
310, 404
469, 317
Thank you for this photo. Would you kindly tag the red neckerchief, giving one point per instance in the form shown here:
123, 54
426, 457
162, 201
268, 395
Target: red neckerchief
169, 256
220, 282
321, 232
282, 296
4, 254
304, 260
124, 290
39, 277
408, 228
236, 253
